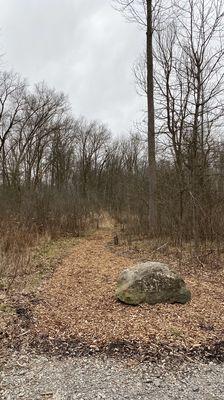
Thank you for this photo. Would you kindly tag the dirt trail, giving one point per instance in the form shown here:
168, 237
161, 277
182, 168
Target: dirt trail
78, 300
78, 303
77, 306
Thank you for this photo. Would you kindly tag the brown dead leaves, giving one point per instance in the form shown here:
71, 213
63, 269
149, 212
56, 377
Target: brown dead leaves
78, 302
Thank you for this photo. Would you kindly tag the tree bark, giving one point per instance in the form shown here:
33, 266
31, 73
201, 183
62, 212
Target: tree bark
151, 124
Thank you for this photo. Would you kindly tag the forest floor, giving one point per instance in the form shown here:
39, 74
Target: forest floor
74, 311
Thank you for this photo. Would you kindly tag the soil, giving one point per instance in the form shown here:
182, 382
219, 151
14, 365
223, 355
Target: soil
75, 311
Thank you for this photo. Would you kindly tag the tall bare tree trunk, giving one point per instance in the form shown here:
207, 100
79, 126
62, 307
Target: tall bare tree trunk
151, 124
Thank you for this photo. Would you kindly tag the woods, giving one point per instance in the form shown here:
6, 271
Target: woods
188, 83
112, 199
164, 180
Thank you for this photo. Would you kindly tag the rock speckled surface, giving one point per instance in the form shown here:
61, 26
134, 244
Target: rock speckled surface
152, 283
37, 378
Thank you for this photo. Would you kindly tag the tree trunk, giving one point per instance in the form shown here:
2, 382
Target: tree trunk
151, 125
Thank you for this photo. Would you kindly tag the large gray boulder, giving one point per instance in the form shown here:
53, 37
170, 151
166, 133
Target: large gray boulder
152, 283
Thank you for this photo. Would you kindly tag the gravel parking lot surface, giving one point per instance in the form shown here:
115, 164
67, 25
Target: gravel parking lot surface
31, 377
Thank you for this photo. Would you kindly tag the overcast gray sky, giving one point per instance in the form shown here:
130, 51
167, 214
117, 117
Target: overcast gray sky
82, 47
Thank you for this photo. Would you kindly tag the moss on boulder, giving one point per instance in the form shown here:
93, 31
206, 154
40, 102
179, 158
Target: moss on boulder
152, 283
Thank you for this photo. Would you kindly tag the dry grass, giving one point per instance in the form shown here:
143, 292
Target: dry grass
15, 253
27, 256
78, 302
75, 302
24, 266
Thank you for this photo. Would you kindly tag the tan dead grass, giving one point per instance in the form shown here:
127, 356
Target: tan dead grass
78, 302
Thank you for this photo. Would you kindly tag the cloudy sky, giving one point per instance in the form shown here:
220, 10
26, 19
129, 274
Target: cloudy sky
82, 47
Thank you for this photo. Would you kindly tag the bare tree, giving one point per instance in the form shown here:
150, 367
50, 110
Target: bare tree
42, 115
90, 140
189, 82
12, 90
188, 53
144, 13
